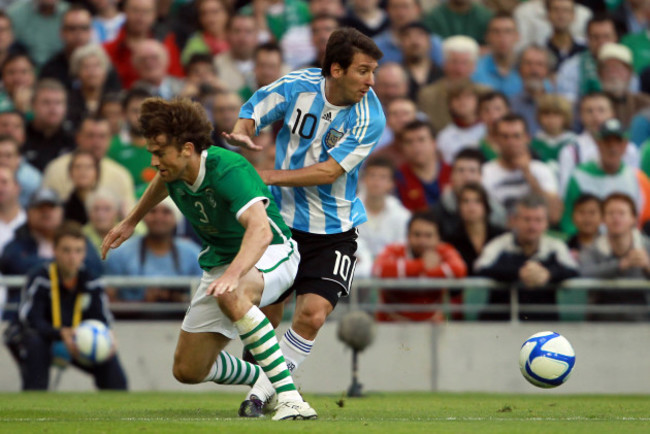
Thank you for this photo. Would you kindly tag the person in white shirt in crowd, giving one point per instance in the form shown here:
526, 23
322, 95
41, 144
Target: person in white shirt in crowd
12, 215
235, 66
514, 174
466, 129
535, 27
108, 20
595, 109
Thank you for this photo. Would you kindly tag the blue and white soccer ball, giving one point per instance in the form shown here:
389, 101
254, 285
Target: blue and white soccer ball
546, 359
94, 341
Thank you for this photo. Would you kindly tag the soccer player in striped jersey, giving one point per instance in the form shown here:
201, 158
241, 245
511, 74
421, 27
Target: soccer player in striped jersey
248, 255
332, 120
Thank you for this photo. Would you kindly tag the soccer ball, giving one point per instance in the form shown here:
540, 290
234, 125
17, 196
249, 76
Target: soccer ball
93, 339
546, 359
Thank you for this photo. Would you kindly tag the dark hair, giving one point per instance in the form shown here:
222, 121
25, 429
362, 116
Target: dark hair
134, 93
81, 152
502, 15
511, 118
490, 95
380, 161
585, 198
75, 7
602, 17
16, 56
110, 97
594, 95
620, 197
343, 44
96, 118
180, 120
198, 3
427, 216
269, 46
237, 15
459, 88
477, 188
323, 17
414, 126
69, 229
199, 58
8, 138
469, 154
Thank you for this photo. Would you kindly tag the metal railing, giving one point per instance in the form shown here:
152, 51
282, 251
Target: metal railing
364, 295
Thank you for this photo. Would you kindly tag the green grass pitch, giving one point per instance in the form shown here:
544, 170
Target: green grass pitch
376, 413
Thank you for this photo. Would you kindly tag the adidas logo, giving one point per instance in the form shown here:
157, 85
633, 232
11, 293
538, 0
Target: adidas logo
327, 117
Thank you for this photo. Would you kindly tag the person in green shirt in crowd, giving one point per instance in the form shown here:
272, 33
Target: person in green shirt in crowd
459, 17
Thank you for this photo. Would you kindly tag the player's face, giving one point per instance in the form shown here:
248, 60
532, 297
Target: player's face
170, 162
423, 236
357, 80
70, 253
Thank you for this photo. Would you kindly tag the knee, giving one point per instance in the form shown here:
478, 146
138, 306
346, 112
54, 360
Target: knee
185, 373
311, 318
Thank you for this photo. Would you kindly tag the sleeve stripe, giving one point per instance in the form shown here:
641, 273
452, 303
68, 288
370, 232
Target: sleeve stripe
299, 75
250, 203
31, 292
265, 106
363, 120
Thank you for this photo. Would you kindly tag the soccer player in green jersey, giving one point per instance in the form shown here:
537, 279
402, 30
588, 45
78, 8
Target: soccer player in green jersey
248, 256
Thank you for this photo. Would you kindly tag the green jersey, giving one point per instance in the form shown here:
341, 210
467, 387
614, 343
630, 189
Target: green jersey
227, 185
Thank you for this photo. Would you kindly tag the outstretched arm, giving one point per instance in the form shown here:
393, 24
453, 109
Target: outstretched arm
257, 238
242, 135
317, 174
156, 192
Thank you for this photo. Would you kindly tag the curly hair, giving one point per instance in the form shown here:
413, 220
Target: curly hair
180, 120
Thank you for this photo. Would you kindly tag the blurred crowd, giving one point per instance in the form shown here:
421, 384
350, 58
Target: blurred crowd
517, 144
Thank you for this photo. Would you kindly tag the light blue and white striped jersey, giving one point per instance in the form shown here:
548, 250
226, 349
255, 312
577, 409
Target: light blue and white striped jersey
313, 131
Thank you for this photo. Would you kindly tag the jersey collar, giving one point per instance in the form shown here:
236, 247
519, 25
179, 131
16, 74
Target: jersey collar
201, 176
327, 103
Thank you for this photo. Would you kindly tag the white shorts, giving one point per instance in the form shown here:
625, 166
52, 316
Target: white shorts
279, 265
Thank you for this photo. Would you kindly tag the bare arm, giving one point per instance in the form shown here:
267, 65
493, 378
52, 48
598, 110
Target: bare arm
317, 174
156, 192
257, 238
555, 204
242, 135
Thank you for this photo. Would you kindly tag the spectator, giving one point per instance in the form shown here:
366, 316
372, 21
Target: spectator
399, 112
28, 178
107, 22
367, 17
75, 33
235, 66
578, 75
466, 128
391, 82
535, 68
268, 68
158, 253
36, 24
263, 159
211, 38
201, 81
18, 78
93, 137
514, 174
459, 17
12, 215
638, 41
138, 26
387, 218
46, 326
615, 74
33, 243
110, 107
322, 27
561, 14
151, 63
460, 54
535, 27
129, 148
423, 255
90, 66
465, 170
621, 253
527, 258
608, 174
8, 43
327, 7
492, 106
84, 174
630, 16
498, 68
103, 210
555, 119
421, 178
48, 135
400, 14
416, 47
474, 230
595, 109
225, 112
587, 218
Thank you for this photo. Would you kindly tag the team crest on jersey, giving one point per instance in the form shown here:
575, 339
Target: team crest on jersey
209, 196
332, 138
